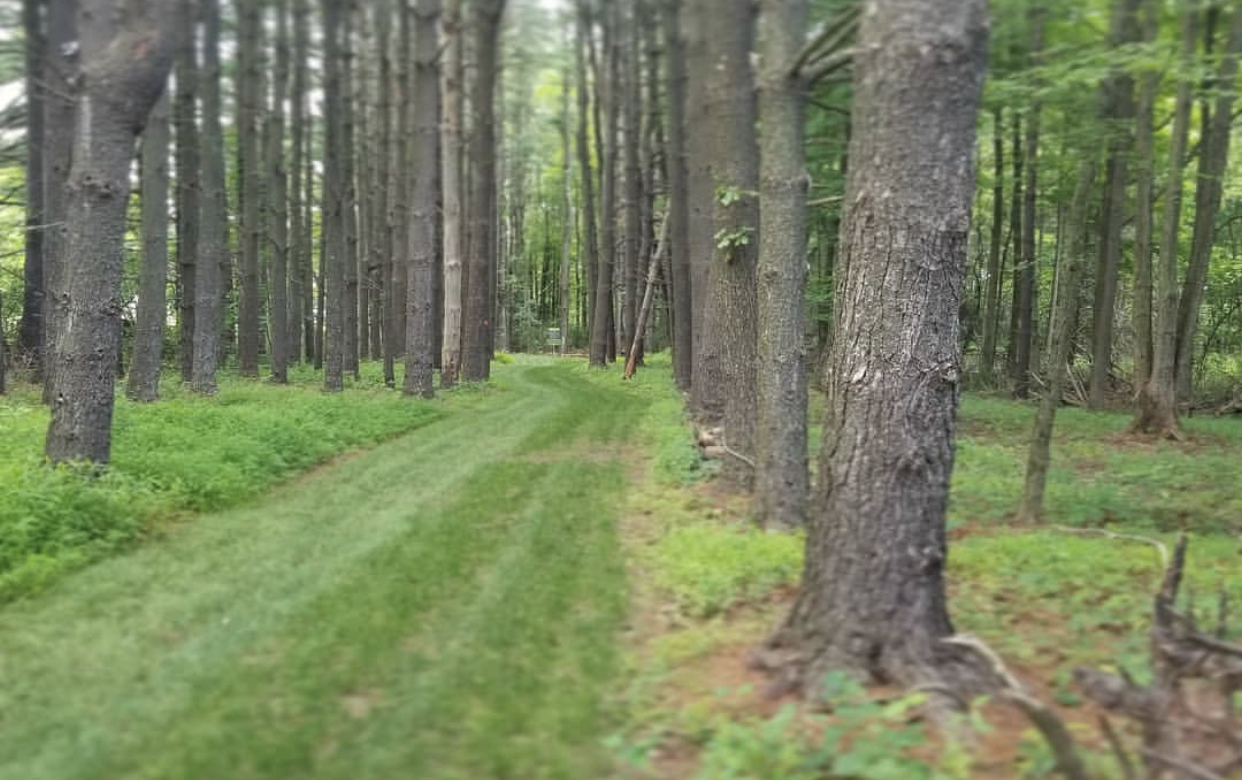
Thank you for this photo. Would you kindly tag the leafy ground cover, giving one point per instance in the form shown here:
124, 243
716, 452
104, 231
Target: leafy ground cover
184, 454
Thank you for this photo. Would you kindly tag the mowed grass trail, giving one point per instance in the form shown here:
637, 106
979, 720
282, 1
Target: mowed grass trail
443, 606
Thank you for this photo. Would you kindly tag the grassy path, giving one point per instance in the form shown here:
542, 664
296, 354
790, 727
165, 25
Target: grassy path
443, 606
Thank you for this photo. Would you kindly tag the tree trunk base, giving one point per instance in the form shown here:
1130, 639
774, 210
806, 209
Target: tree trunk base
1156, 418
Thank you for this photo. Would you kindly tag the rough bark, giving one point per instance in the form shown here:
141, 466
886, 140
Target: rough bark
991, 297
602, 328
1064, 320
299, 248
30, 337
1157, 401
384, 179
705, 384
782, 477
729, 321
189, 187
590, 252
451, 184
678, 206
250, 98
1119, 111
1209, 187
60, 74
349, 192
632, 135
277, 192
1027, 277
397, 280
333, 253
213, 235
420, 310
873, 593
1144, 186
481, 257
123, 73
567, 210
144, 373
1017, 158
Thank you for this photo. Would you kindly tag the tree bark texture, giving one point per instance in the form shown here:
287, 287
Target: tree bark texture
278, 203
189, 186
991, 299
678, 206
249, 133
213, 231
451, 183
60, 72
873, 594
123, 73
602, 336
1027, 277
420, 311
1144, 198
31, 329
334, 255
705, 383
144, 373
590, 252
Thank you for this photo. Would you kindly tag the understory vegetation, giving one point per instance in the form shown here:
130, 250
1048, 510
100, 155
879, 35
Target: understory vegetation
187, 453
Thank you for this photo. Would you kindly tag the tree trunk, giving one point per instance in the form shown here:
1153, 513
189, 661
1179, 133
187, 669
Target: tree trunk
1157, 401
678, 206
991, 299
349, 193
1015, 230
632, 135
567, 209
144, 374
602, 328
873, 592
333, 254
782, 478
705, 384
299, 268
60, 72
397, 280
384, 179
451, 183
1213, 162
189, 164
1144, 154
1064, 319
250, 98
31, 329
729, 320
591, 253
278, 202
124, 72
213, 237
1028, 278
420, 310
644, 309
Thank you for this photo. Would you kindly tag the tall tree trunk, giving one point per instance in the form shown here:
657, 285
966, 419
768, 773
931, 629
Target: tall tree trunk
1209, 187
632, 134
1119, 111
873, 594
61, 69
1144, 163
591, 252
144, 374
420, 310
602, 327
1157, 401
1064, 320
729, 320
1015, 230
705, 385
334, 252
31, 330
991, 296
1027, 278
397, 281
250, 98
213, 238
678, 207
384, 181
567, 209
782, 477
299, 267
124, 72
349, 192
481, 257
278, 202
189, 187
452, 181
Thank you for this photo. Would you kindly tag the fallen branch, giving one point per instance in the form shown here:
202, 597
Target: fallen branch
1159, 545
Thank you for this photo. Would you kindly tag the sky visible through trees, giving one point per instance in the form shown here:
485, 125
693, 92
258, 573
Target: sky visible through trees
824, 347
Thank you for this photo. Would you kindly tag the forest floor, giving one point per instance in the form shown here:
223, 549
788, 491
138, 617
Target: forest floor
542, 581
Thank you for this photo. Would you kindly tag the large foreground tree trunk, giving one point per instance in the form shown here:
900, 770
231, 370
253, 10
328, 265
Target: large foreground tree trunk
873, 591
451, 183
124, 72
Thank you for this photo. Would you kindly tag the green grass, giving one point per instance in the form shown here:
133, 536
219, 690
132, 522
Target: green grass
443, 606
185, 453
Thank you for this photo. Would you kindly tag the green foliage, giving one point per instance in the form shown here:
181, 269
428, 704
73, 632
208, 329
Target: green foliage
185, 453
708, 567
503, 359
